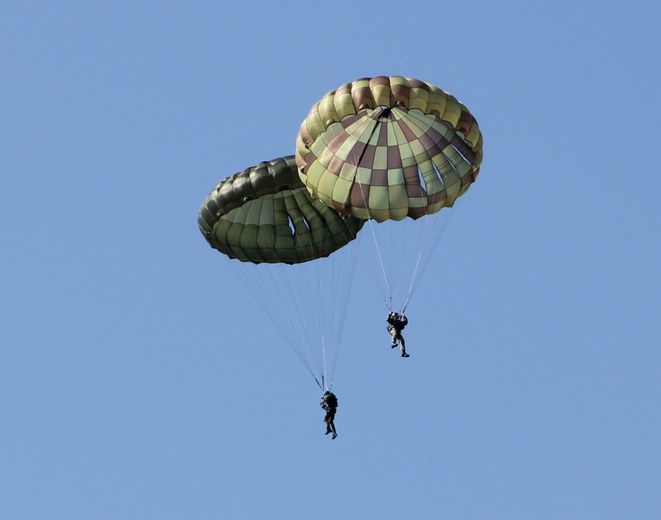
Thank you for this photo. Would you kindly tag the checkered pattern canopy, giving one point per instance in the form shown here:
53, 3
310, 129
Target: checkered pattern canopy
265, 214
388, 148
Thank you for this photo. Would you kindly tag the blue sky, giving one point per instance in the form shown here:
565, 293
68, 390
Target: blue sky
140, 379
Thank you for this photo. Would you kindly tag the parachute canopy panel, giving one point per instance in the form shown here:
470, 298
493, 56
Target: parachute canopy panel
388, 148
265, 214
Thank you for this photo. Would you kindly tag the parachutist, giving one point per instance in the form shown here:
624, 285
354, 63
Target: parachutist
329, 403
396, 324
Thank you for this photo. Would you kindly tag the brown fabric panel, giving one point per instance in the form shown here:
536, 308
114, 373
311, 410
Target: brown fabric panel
394, 157
379, 178
360, 195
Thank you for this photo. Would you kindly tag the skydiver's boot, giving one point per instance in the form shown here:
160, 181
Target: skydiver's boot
404, 354
334, 435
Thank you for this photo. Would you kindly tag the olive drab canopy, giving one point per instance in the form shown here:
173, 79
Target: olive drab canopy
265, 214
387, 148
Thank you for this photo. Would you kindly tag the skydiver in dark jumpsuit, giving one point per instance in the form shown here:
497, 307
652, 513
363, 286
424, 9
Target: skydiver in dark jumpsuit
329, 403
396, 324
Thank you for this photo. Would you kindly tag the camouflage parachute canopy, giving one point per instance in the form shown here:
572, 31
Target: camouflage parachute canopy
388, 148
265, 214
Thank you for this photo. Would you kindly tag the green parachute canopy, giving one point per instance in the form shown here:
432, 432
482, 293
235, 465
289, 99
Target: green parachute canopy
387, 148
265, 214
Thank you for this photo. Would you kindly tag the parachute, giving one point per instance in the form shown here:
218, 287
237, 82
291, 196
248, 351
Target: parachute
386, 148
264, 214
293, 254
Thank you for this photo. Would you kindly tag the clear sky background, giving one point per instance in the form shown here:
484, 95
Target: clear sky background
140, 379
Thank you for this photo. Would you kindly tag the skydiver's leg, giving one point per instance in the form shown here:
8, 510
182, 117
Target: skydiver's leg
393, 339
332, 426
402, 344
